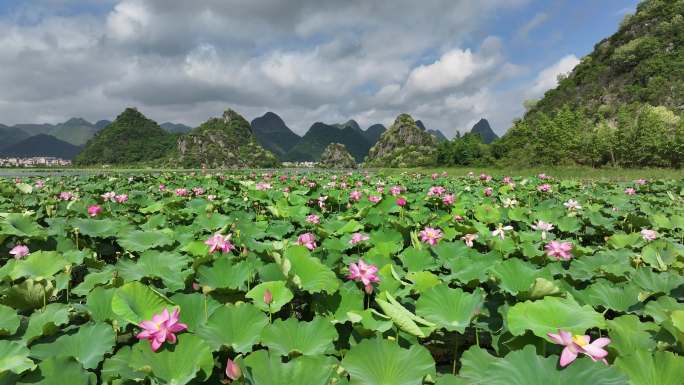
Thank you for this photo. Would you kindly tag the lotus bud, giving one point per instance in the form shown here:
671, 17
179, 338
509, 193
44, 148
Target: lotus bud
268, 297
233, 370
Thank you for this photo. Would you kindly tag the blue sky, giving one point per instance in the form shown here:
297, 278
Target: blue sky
447, 62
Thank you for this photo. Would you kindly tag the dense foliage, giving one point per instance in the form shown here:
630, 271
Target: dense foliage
310, 147
404, 144
621, 105
324, 279
130, 139
466, 150
222, 142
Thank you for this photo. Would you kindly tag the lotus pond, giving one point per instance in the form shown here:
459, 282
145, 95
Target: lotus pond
340, 278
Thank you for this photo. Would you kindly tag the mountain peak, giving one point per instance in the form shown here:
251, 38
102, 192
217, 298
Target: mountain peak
485, 131
273, 134
77, 122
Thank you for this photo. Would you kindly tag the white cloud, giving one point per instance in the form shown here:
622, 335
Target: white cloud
307, 60
548, 77
536, 21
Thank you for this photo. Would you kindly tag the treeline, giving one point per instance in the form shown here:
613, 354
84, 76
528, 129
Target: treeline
637, 136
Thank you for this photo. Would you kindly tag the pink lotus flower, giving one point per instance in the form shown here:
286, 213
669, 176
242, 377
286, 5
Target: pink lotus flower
355, 195
543, 227
544, 188
40, 184
395, 190
263, 186
198, 191
94, 210
313, 218
630, 191
380, 189
321, 201
308, 240
510, 203
436, 191
543, 176
66, 196
559, 250
401, 201
507, 180
312, 184
357, 238
458, 218
20, 251
575, 345
364, 273
448, 199
219, 242
374, 198
435, 176
211, 197
233, 370
488, 191
572, 205
648, 235
108, 196
430, 236
485, 177
161, 328
181, 192
469, 238
640, 182
162, 187
121, 198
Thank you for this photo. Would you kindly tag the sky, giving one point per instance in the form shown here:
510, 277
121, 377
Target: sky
446, 62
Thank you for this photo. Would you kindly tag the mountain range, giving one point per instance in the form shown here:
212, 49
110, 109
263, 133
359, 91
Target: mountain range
270, 131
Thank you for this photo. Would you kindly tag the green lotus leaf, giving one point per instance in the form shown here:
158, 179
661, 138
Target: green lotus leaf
417, 260
309, 273
654, 282
423, 280
628, 333
659, 368
21, 226
88, 345
542, 287
60, 370
9, 320
452, 309
677, 317
550, 314
516, 275
145, 240
102, 228
225, 274
377, 361
117, 367
370, 319
281, 295
487, 214
45, 322
236, 326
474, 267
621, 240
618, 297
403, 318
525, 367
95, 278
135, 302
176, 364
14, 357
262, 368
39, 265
28, 295
170, 267
336, 306
195, 308
305, 338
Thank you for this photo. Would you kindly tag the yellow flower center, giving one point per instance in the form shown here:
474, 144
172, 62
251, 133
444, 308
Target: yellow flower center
579, 340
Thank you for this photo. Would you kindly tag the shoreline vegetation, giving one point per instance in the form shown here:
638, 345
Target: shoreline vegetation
564, 172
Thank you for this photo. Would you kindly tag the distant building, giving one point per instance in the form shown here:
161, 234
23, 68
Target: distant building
38, 161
